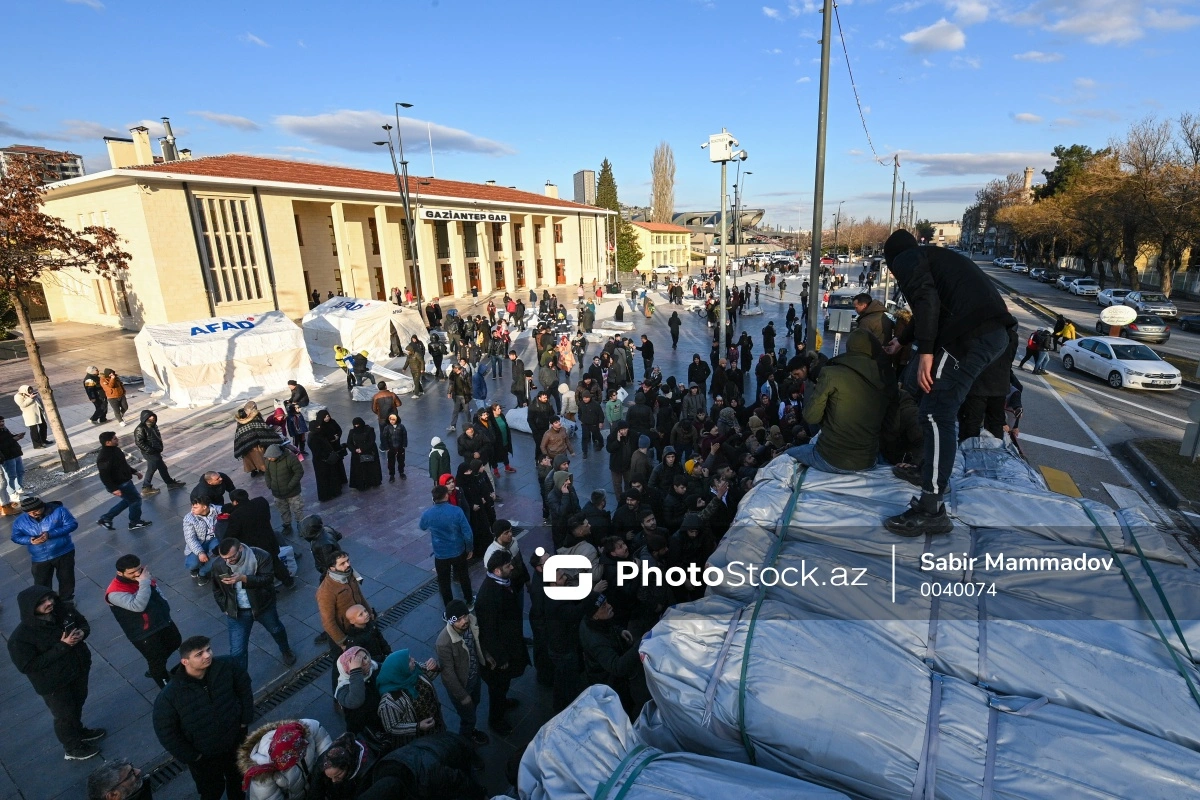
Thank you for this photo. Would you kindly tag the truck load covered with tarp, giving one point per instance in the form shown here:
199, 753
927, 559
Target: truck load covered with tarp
358, 325
590, 751
214, 360
1043, 649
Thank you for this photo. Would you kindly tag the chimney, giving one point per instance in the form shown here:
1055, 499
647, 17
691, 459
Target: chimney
120, 152
489, 183
551, 190
142, 154
185, 155
1028, 178
169, 151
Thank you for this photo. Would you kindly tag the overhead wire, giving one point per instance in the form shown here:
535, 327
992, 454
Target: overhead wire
858, 100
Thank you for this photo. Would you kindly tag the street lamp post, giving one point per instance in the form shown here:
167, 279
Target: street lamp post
721, 150
401, 170
837, 224
739, 189
819, 177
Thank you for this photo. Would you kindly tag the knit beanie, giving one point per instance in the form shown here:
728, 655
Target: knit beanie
896, 244
643, 441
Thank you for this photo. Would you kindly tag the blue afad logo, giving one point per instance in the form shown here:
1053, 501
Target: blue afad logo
349, 306
213, 327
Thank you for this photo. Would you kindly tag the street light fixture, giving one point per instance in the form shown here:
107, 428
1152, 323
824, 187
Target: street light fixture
720, 148
739, 189
401, 171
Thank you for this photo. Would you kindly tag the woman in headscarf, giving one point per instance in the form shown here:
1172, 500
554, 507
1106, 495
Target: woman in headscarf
251, 438
357, 691
394, 440
364, 456
408, 705
566, 357
502, 445
324, 439
278, 420
278, 758
480, 502
455, 496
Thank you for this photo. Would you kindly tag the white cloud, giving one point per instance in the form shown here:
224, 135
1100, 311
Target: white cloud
96, 4
83, 130
1084, 84
356, 130
1106, 114
250, 38
805, 7
1169, 20
961, 193
1117, 22
295, 149
228, 120
1065, 122
991, 164
774, 51
854, 152
941, 35
805, 79
1027, 118
965, 62
968, 12
771, 13
300, 43
904, 8
1038, 57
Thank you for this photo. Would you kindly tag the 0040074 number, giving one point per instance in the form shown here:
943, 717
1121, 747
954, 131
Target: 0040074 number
976, 589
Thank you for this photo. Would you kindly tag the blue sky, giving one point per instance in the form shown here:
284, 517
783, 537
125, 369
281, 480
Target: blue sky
525, 92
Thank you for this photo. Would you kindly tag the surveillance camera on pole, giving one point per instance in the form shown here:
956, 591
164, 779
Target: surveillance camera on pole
721, 149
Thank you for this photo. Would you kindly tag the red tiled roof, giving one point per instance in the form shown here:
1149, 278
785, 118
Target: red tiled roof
34, 150
661, 227
256, 168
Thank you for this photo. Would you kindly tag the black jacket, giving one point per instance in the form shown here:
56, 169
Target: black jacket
950, 296
601, 522
36, 645
213, 495
501, 633
620, 451
10, 448
323, 541
147, 437
431, 768
299, 396
591, 413
194, 717
250, 524
112, 467
260, 587
698, 372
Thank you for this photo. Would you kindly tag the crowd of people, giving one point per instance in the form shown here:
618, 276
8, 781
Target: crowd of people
682, 451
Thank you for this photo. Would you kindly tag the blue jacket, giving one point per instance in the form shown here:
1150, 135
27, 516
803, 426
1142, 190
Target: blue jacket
57, 521
479, 383
448, 530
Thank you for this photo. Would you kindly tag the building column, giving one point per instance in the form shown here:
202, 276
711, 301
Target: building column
345, 265
431, 276
508, 240
487, 257
458, 259
391, 251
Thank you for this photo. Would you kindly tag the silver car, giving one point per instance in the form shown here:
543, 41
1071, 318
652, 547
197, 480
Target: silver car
1152, 303
1111, 297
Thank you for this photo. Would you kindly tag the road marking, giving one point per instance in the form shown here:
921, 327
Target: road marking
1061, 384
1117, 465
1070, 448
1120, 400
1125, 497
1059, 481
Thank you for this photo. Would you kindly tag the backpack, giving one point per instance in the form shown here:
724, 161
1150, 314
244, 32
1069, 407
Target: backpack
360, 362
1041, 339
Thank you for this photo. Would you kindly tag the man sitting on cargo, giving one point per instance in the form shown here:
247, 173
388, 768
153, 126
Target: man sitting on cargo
849, 404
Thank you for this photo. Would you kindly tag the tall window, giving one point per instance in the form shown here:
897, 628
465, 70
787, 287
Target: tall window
231, 249
471, 239
374, 227
332, 236
299, 232
557, 233
518, 242
497, 236
441, 235
537, 234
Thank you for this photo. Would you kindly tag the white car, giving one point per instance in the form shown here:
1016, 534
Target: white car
1019, 267
1085, 287
1120, 362
1064, 281
1111, 297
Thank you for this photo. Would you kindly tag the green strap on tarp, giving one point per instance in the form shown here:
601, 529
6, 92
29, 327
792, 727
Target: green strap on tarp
606, 787
772, 557
1179, 665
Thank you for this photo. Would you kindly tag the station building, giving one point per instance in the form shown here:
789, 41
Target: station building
663, 245
234, 235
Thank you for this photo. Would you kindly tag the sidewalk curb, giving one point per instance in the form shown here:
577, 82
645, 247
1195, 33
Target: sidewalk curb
1034, 307
1159, 482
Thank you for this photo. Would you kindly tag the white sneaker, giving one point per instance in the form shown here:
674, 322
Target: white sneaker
121, 423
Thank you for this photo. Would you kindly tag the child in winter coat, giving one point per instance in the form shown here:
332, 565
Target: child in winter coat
297, 427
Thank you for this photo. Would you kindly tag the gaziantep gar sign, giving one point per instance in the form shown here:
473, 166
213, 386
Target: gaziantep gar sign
460, 215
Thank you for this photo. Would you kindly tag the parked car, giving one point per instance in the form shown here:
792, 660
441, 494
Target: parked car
1144, 328
1049, 276
1002, 261
1111, 297
1121, 363
1036, 273
1190, 323
1018, 266
1064, 281
1085, 287
1151, 303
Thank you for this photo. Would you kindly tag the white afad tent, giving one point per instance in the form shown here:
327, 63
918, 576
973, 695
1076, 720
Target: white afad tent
214, 360
358, 325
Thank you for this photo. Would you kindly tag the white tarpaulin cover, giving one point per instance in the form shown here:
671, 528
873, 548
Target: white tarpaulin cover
223, 358
358, 325
1057, 684
590, 751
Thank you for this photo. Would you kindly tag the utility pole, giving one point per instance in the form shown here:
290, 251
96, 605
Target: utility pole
887, 273
814, 283
902, 184
720, 149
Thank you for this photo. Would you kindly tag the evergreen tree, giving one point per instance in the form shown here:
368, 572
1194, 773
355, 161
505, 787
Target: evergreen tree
628, 252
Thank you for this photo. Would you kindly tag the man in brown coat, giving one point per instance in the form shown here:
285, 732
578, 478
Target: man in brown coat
339, 590
461, 657
556, 441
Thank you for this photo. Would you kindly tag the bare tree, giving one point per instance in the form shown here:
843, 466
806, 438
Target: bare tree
662, 183
34, 243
